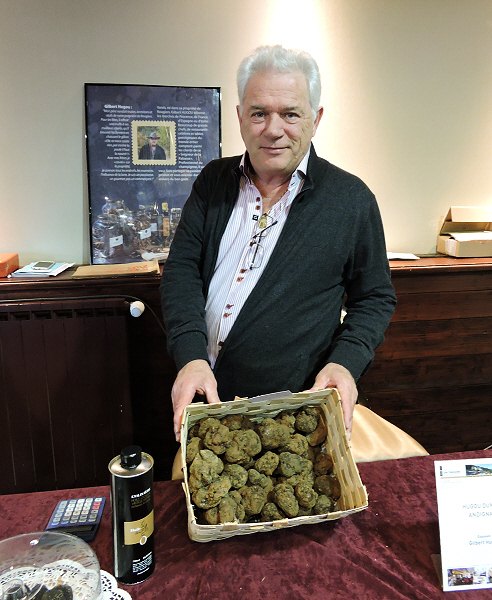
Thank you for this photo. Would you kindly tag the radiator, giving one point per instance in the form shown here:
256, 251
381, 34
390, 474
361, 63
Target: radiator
65, 407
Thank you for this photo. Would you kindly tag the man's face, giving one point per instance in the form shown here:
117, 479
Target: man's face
277, 122
153, 141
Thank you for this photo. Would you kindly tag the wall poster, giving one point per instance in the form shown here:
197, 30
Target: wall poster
145, 147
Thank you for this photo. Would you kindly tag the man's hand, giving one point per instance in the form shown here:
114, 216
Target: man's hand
336, 376
196, 377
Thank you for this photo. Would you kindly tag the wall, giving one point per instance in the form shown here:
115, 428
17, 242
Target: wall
407, 90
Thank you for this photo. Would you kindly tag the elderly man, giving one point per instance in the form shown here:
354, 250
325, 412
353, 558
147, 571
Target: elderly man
269, 245
152, 150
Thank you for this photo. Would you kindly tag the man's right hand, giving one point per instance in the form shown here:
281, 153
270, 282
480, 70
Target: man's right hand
195, 377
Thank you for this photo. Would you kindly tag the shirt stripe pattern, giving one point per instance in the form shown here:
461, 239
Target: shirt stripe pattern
233, 280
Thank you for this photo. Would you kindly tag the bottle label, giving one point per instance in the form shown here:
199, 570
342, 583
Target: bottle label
142, 565
138, 532
145, 233
165, 226
116, 241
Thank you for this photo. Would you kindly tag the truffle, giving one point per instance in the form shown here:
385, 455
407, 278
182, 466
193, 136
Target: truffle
296, 444
237, 474
288, 419
305, 495
285, 499
256, 478
272, 469
290, 464
307, 419
244, 445
267, 463
323, 464
227, 511
272, 434
192, 448
318, 436
210, 496
217, 439
324, 505
271, 512
232, 422
253, 499
206, 424
206, 466
328, 485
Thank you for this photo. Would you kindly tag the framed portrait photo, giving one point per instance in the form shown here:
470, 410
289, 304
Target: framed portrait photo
154, 142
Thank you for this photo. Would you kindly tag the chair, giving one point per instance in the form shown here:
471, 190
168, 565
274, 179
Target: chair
374, 438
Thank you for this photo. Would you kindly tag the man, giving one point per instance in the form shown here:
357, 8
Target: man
268, 246
152, 150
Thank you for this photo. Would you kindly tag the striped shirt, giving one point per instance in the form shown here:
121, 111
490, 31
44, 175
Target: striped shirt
233, 279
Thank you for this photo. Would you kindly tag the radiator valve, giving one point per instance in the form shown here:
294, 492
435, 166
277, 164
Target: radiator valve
137, 308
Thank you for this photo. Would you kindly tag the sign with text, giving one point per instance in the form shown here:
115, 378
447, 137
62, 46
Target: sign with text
145, 147
464, 499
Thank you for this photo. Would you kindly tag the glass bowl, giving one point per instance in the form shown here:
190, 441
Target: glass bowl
33, 564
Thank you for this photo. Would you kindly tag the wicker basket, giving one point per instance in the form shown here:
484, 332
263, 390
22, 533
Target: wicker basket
353, 497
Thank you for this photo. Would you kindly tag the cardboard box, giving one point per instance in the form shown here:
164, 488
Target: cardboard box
466, 232
9, 262
353, 493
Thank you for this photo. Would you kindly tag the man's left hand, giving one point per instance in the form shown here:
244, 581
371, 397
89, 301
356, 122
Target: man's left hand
336, 376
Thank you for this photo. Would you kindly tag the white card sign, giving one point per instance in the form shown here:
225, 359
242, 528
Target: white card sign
464, 500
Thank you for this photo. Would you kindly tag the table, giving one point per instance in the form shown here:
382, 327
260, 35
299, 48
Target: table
381, 553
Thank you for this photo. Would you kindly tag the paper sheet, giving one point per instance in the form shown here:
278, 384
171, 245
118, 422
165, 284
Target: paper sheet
464, 498
401, 256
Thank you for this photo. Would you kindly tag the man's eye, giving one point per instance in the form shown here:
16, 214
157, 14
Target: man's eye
291, 116
258, 115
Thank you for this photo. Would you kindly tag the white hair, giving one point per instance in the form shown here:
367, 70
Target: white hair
277, 59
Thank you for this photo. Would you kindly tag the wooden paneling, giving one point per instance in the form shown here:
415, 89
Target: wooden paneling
442, 371
443, 305
434, 400
151, 371
432, 377
448, 337
65, 394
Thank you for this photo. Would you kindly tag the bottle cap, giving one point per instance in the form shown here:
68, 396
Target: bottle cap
131, 457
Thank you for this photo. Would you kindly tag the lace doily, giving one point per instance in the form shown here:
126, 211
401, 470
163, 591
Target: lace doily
85, 583
110, 590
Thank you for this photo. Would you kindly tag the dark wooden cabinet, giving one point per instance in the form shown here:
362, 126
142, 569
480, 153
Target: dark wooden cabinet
432, 377
151, 371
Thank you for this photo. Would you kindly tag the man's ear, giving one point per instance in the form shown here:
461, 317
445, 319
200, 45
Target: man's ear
319, 114
239, 114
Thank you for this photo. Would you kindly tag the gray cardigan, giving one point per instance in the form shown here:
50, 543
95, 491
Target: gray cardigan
331, 247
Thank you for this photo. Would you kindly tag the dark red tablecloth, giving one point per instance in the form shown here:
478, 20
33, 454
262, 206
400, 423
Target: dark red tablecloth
382, 552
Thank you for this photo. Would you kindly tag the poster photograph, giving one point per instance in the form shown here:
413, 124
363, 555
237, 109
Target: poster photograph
145, 147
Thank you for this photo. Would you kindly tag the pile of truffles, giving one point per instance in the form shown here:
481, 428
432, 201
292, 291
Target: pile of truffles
242, 471
17, 590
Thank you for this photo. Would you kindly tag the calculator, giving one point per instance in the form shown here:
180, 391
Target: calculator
80, 517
